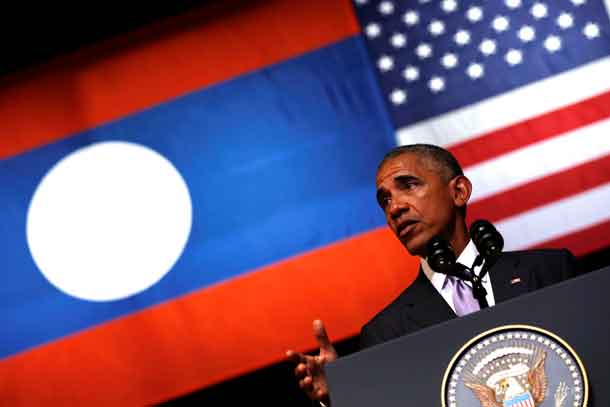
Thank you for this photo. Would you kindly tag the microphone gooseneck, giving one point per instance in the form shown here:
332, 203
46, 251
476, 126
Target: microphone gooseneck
486, 238
489, 243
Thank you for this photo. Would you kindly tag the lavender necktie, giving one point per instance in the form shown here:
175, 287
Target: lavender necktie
463, 300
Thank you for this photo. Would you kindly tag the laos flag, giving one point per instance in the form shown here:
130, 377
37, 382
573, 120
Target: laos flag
180, 203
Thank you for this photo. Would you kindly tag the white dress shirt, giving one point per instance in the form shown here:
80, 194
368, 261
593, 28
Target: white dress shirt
467, 257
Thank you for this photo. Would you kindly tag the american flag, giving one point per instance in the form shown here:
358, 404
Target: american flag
519, 90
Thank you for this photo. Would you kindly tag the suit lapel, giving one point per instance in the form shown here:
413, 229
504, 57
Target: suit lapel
508, 279
425, 306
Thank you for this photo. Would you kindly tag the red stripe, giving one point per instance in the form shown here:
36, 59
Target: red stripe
584, 241
519, 135
542, 191
161, 62
217, 333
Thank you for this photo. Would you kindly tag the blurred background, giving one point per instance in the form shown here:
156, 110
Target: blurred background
187, 185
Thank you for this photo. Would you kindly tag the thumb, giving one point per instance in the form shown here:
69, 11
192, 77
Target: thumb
321, 336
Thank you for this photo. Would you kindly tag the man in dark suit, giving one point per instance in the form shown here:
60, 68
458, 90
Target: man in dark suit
420, 306
423, 193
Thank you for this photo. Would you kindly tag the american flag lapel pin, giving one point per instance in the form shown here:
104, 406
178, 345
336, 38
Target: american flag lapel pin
515, 280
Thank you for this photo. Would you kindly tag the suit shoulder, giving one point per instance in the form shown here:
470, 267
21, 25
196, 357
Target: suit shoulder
559, 263
539, 254
388, 321
390, 310
385, 324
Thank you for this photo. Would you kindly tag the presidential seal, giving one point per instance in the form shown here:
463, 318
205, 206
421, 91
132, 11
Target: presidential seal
515, 366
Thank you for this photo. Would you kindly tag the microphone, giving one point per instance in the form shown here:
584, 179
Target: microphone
487, 239
441, 259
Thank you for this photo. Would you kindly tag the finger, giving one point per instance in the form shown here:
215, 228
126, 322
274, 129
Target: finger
300, 370
321, 336
306, 385
318, 365
295, 357
318, 362
311, 364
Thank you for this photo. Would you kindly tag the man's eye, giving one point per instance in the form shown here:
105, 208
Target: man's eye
407, 184
383, 201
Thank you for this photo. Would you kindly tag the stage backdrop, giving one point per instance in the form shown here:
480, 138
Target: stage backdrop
180, 203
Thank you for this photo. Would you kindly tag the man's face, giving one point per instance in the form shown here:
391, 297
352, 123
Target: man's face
417, 202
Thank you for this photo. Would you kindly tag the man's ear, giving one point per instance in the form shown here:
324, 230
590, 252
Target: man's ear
461, 189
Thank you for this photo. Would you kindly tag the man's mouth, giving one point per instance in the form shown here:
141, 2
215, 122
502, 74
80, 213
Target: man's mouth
406, 227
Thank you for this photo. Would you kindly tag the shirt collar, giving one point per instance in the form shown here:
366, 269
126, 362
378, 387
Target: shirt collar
467, 257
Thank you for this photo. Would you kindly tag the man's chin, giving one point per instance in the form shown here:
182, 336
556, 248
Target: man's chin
415, 247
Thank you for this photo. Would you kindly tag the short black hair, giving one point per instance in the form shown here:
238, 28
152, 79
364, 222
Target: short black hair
447, 164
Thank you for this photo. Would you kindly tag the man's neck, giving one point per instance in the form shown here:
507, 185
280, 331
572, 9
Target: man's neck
460, 239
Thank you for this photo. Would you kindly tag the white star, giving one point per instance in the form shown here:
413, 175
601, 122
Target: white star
579, 2
526, 33
436, 84
436, 28
500, 23
411, 17
565, 20
361, 2
462, 37
398, 40
398, 96
386, 8
449, 6
373, 30
552, 43
385, 63
514, 57
449, 60
488, 47
411, 73
474, 14
591, 30
513, 3
539, 10
423, 51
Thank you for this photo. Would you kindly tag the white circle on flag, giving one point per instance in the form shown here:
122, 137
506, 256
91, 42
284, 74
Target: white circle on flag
109, 221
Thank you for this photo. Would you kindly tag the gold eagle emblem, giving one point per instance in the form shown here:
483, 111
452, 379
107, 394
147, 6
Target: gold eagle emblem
509, 387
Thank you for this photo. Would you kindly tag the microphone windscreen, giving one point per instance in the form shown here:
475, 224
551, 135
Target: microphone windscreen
441, 256
486, 238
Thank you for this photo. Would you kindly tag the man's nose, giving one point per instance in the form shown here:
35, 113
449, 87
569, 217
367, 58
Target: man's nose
397, 208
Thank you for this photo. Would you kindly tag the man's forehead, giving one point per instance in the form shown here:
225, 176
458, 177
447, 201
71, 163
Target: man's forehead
404, 164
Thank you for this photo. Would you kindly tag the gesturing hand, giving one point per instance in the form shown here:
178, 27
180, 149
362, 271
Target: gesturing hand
310, 369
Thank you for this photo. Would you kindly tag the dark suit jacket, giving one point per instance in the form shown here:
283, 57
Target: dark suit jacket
420, 305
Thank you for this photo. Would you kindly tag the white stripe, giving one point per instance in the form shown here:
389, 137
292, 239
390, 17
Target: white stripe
511, 107
557, 219
539, 159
